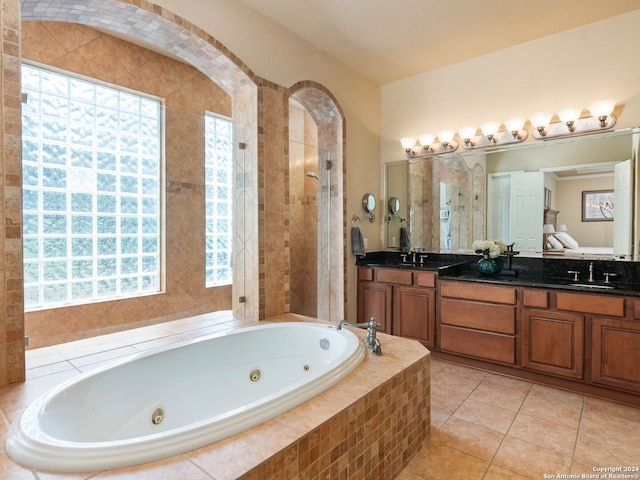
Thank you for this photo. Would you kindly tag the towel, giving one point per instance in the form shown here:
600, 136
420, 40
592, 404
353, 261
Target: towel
357, 242
404, 238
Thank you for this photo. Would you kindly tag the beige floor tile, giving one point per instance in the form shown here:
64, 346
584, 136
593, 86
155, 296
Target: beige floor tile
529, 460
435, 462
438, 418
608, 440
476, 440
544, 433
407, 474
446, 401
458, 378
556, 406
170, 469
487, 414
503, 391
583, 467
597, 406
499, 473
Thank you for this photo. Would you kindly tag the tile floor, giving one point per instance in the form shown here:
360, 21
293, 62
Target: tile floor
491, 427
484, 425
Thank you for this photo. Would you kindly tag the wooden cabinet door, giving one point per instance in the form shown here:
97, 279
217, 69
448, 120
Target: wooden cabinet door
615, 353
414, 311
374, 300
553, 342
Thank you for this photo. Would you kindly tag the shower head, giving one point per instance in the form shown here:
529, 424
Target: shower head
312, 175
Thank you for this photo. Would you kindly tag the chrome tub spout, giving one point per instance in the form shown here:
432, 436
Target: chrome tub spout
370, 339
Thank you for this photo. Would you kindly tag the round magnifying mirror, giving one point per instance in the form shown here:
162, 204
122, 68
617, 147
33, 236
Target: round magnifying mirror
369, 202
394, 205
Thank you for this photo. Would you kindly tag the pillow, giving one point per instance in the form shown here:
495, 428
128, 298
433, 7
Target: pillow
566, 239
554, 243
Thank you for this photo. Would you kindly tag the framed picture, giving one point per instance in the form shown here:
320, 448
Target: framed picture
597, 206
547, 198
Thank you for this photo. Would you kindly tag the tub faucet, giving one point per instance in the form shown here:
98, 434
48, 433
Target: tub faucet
370, 339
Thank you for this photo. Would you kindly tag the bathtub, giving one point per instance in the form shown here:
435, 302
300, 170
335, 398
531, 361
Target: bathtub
181, 397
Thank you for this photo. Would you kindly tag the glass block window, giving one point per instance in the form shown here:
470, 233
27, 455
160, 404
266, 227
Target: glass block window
219, 200
91, 157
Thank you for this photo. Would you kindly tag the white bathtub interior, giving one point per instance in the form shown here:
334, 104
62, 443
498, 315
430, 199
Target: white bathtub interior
181, 397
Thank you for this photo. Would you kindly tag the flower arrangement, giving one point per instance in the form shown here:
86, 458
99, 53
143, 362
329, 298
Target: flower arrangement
488, 248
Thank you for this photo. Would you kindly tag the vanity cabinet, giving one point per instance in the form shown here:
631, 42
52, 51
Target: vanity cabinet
402, 301
552, 341
615, 351
478, 320
374, 300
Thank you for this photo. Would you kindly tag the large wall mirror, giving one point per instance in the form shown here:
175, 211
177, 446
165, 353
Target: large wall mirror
510, 194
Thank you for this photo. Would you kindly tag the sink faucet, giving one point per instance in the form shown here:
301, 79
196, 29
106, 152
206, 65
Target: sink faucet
591, 272
370, 339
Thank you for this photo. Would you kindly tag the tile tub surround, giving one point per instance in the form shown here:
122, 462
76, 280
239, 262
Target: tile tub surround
370, 425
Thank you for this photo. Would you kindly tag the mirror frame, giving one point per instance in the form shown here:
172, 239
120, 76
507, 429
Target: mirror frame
369, 205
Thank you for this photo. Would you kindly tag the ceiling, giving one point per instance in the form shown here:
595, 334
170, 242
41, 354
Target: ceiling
387, 40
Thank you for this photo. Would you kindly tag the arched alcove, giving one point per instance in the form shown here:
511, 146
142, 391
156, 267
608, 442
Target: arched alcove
323, 200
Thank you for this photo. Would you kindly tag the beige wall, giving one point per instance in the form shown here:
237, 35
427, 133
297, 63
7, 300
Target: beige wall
188, 94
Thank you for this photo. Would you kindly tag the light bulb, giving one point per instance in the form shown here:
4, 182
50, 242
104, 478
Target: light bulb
601, 110
467, 132
446, 136
408, 143
569, 115
490, 129
426, 139
514, 126
540, 119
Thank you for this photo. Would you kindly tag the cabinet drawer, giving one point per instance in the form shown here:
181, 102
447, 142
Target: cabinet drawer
425, 279
535, 298
481, 316
485, 345
389, 275
476, 291
365, 273
585, 303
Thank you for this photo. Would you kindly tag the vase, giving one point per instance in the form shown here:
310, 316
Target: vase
486, 266
499, 261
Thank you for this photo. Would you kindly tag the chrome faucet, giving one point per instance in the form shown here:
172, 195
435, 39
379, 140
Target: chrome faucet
591, 272
370, 339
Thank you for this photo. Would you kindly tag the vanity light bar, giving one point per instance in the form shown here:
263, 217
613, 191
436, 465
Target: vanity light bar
577, 127
570, 123
429, 148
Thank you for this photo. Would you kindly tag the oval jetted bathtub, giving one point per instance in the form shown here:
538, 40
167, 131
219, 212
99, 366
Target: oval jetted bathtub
181, 397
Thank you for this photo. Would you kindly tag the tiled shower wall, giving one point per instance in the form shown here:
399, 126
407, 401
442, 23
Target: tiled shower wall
188, 94
303, 196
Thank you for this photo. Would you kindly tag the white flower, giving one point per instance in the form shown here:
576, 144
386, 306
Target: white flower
486, 247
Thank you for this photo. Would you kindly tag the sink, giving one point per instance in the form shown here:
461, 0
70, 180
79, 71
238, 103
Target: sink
593, 285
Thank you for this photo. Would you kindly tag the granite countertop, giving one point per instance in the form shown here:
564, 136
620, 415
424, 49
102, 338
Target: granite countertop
527, 272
